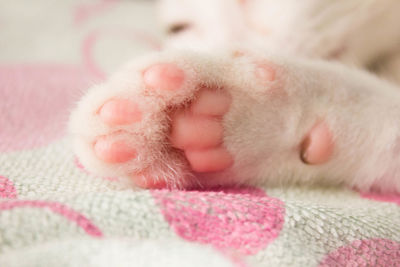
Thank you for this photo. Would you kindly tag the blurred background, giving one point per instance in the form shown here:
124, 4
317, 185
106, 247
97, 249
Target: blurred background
52, 51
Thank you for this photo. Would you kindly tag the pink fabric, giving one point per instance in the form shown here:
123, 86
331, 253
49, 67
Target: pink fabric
58, 208
246, 220
84, 11
35, 102
7, 189
36, 97
79, 165
392, 198
362, 253
131, 35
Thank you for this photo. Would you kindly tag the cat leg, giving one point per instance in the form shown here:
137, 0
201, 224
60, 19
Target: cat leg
178, 119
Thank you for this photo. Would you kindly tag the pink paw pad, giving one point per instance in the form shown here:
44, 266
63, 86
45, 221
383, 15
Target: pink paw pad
265, 72
211, 103
317, 146
164, 76
120, 112
113, 152
210, 160
195, 132
198, 131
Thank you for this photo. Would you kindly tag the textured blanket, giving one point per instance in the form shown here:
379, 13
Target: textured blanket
54, 213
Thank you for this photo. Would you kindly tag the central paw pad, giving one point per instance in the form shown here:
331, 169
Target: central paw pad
198, 131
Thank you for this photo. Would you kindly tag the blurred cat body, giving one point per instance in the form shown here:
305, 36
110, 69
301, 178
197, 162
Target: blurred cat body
359, 33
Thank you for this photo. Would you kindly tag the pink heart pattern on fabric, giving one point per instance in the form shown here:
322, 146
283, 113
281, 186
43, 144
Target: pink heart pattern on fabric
245, 220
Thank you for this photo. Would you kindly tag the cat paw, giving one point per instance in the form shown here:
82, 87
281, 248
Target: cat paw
156, 122
180, 120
